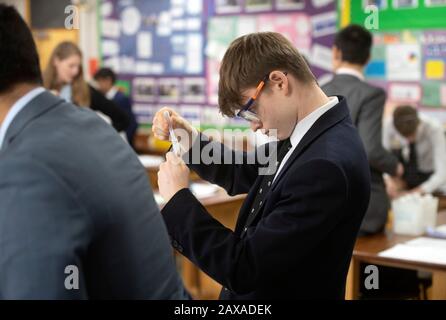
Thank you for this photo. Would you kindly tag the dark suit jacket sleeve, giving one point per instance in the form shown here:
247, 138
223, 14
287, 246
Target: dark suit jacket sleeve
209, 159
369, 125
120, 119
42, 232
306, 213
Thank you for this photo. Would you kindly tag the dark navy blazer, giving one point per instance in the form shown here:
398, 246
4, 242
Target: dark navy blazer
301, 244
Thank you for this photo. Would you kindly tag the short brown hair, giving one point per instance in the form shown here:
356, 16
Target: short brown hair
405, 120
249, 59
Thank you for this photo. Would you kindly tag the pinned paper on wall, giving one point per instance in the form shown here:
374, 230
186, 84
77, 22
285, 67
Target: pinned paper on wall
431, 94
177, 12
321, 57
324, 24
111, 28
143, 68
144, 45
246, 25
380, 4
194, 7
164, 27
110, 48
178, 24
193, 24
191, 114
144, 89
213, 77
228, 6
112, 63
403, 62
405, 4
443, 95
290, 4
106, 9
169, 90
258, 5
178, 62
434, 69
435, 3
404, 92
131, 20
376, 69
194, 57
321, 3
194, 90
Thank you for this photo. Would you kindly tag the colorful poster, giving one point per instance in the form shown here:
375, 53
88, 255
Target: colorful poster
431, 94
434, 55
403, 62
404, 92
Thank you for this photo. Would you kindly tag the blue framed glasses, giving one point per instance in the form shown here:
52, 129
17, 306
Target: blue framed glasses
247, 114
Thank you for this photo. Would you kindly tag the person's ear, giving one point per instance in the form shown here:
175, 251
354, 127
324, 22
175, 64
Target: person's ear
280, 80
337, 54
336, 57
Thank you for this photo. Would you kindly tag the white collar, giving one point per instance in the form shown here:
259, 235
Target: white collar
304, 125
351, 72
111, 93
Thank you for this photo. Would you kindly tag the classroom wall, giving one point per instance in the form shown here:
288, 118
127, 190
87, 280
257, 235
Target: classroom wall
169, 51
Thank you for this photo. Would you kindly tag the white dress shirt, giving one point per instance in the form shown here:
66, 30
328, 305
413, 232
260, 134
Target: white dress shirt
15, 109
303, 126
111, 93
351, 72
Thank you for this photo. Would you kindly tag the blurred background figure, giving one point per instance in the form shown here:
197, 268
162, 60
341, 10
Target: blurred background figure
106, 80
351, 53
64, 76
420, 144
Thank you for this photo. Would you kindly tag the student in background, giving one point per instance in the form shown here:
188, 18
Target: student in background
420, 144
351, 52
106, 79
77, 215
64, 76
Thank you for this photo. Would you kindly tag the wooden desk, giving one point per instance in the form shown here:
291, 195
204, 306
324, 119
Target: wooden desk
367, 248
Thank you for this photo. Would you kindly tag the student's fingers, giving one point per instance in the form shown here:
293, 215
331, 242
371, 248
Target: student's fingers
173, 158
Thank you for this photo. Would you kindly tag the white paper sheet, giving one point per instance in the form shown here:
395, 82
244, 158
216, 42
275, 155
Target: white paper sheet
403, 62
131, 20
144, 45
111, 28
420, 249
110, 48
321, 57
194, 56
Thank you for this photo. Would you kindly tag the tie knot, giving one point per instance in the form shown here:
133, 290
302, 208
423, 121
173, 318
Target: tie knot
283, 149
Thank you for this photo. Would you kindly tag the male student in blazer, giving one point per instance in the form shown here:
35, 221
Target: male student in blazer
77, 215
351, 52
297, 227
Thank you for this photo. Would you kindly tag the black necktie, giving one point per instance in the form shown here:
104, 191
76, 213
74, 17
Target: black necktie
283, 147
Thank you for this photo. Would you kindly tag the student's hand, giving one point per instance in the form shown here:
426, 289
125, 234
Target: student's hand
399, 170
160, 127
172, 176
393, 187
